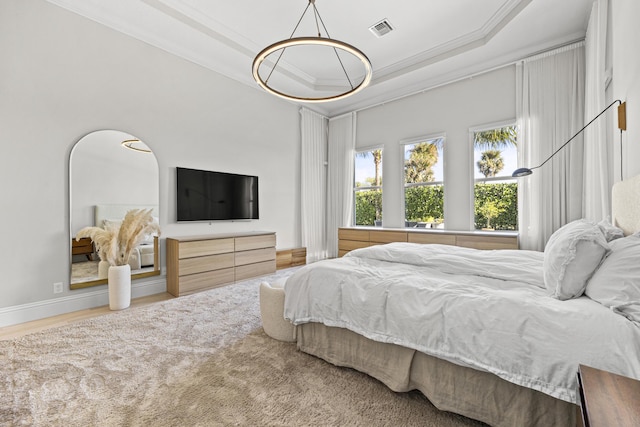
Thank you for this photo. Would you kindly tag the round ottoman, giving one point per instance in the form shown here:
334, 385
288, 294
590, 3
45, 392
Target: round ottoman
272, 312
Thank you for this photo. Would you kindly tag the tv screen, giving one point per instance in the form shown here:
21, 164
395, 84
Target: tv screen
211, 196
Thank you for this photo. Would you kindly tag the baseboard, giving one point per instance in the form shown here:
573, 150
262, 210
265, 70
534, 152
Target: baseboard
67, 304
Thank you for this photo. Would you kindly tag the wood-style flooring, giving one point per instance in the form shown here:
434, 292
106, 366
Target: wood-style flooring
14, 331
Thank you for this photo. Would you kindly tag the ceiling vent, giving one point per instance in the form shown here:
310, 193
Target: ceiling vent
381, 28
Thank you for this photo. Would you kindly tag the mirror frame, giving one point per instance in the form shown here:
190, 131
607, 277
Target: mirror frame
155, 272
156, 246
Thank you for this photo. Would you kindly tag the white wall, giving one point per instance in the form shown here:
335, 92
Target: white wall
626, 80
63, 76
452, 109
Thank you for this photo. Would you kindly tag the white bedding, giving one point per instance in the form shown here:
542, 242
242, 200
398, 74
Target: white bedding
485, 309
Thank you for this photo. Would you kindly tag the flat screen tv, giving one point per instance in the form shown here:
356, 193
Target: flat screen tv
214, 196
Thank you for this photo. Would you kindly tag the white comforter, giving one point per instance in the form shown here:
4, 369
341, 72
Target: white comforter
484, 309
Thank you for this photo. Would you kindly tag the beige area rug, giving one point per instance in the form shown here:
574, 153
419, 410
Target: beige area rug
199, 360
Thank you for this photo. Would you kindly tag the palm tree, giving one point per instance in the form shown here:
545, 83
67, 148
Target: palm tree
495, 139
490, 163
377, 161
419, 166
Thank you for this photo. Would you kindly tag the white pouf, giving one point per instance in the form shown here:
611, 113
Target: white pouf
272, 312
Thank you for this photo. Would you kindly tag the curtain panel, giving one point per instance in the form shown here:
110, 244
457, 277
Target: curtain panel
342, 142
313, 153
550, 110
598, 154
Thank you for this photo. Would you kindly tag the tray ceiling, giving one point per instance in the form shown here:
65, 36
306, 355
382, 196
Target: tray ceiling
431, 42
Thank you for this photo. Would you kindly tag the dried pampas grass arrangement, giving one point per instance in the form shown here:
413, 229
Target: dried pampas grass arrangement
115, 243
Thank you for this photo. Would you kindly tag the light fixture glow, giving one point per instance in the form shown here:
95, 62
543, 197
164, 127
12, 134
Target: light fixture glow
128, 143
318, 41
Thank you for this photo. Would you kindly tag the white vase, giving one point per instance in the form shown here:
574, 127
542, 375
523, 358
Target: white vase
119, 287
103, 269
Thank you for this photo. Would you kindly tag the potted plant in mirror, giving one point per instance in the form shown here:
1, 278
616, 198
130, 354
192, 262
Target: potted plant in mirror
115, 243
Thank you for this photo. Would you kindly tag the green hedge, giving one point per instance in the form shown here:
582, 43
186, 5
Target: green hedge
505, 196
427, 204
368, 203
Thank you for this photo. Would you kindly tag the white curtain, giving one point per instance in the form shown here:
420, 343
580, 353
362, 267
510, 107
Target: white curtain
550, 110
342, 142
313, 175
598, 175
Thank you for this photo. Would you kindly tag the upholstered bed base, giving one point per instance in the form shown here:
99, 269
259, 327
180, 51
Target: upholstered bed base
475, 394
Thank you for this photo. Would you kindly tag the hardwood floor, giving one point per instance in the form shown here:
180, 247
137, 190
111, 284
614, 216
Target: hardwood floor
22, 329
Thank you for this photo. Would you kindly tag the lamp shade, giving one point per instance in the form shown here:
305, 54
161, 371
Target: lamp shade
521, 172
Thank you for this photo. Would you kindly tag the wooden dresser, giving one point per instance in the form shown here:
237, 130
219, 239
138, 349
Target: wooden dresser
359, 237
84, 246
607, 399
196, 263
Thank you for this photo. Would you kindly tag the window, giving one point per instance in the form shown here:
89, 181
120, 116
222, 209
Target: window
495, 191
424, 183
368, 187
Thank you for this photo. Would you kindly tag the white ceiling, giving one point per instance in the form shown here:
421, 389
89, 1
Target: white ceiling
433, 41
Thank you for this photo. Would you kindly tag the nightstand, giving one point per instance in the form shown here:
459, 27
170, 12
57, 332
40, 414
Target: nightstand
607, 399
83, 246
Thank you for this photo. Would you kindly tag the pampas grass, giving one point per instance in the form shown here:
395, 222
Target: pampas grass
115, 243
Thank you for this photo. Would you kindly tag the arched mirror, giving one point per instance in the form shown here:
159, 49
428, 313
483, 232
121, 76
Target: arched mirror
110, 173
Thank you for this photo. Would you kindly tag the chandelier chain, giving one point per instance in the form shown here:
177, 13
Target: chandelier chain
292, 33
329, 36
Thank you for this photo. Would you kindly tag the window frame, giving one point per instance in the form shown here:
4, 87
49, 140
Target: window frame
355, 189
472, 167
417, 140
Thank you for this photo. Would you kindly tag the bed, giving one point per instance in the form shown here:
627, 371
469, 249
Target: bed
493, 335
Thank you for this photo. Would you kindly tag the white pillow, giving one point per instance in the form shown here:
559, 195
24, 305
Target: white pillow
610, 231
115, 223
571, 256
616, 284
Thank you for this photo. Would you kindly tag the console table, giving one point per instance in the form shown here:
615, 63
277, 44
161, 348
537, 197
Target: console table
607, 399
350, 238
196, 263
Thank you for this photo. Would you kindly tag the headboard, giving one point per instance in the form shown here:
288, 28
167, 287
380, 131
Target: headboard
117, 212
625, 205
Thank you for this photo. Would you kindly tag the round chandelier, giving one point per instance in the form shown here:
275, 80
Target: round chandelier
327, 41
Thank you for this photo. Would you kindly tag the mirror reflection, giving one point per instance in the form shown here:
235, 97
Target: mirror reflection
110, 173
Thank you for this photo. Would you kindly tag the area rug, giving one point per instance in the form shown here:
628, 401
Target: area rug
198, 360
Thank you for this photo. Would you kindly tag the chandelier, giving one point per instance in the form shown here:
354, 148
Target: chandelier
318, 40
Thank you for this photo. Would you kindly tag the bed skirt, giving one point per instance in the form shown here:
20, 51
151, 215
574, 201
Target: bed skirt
475, 394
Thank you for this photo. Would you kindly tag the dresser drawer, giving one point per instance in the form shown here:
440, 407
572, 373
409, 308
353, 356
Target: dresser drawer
257, 269
205, 247
210, 279
441, 239
487, 242
257, 255
205, 263
387, 236
248, 243
349, 245
353, 234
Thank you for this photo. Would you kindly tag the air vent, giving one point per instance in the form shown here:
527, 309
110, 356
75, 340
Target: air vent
381, 28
